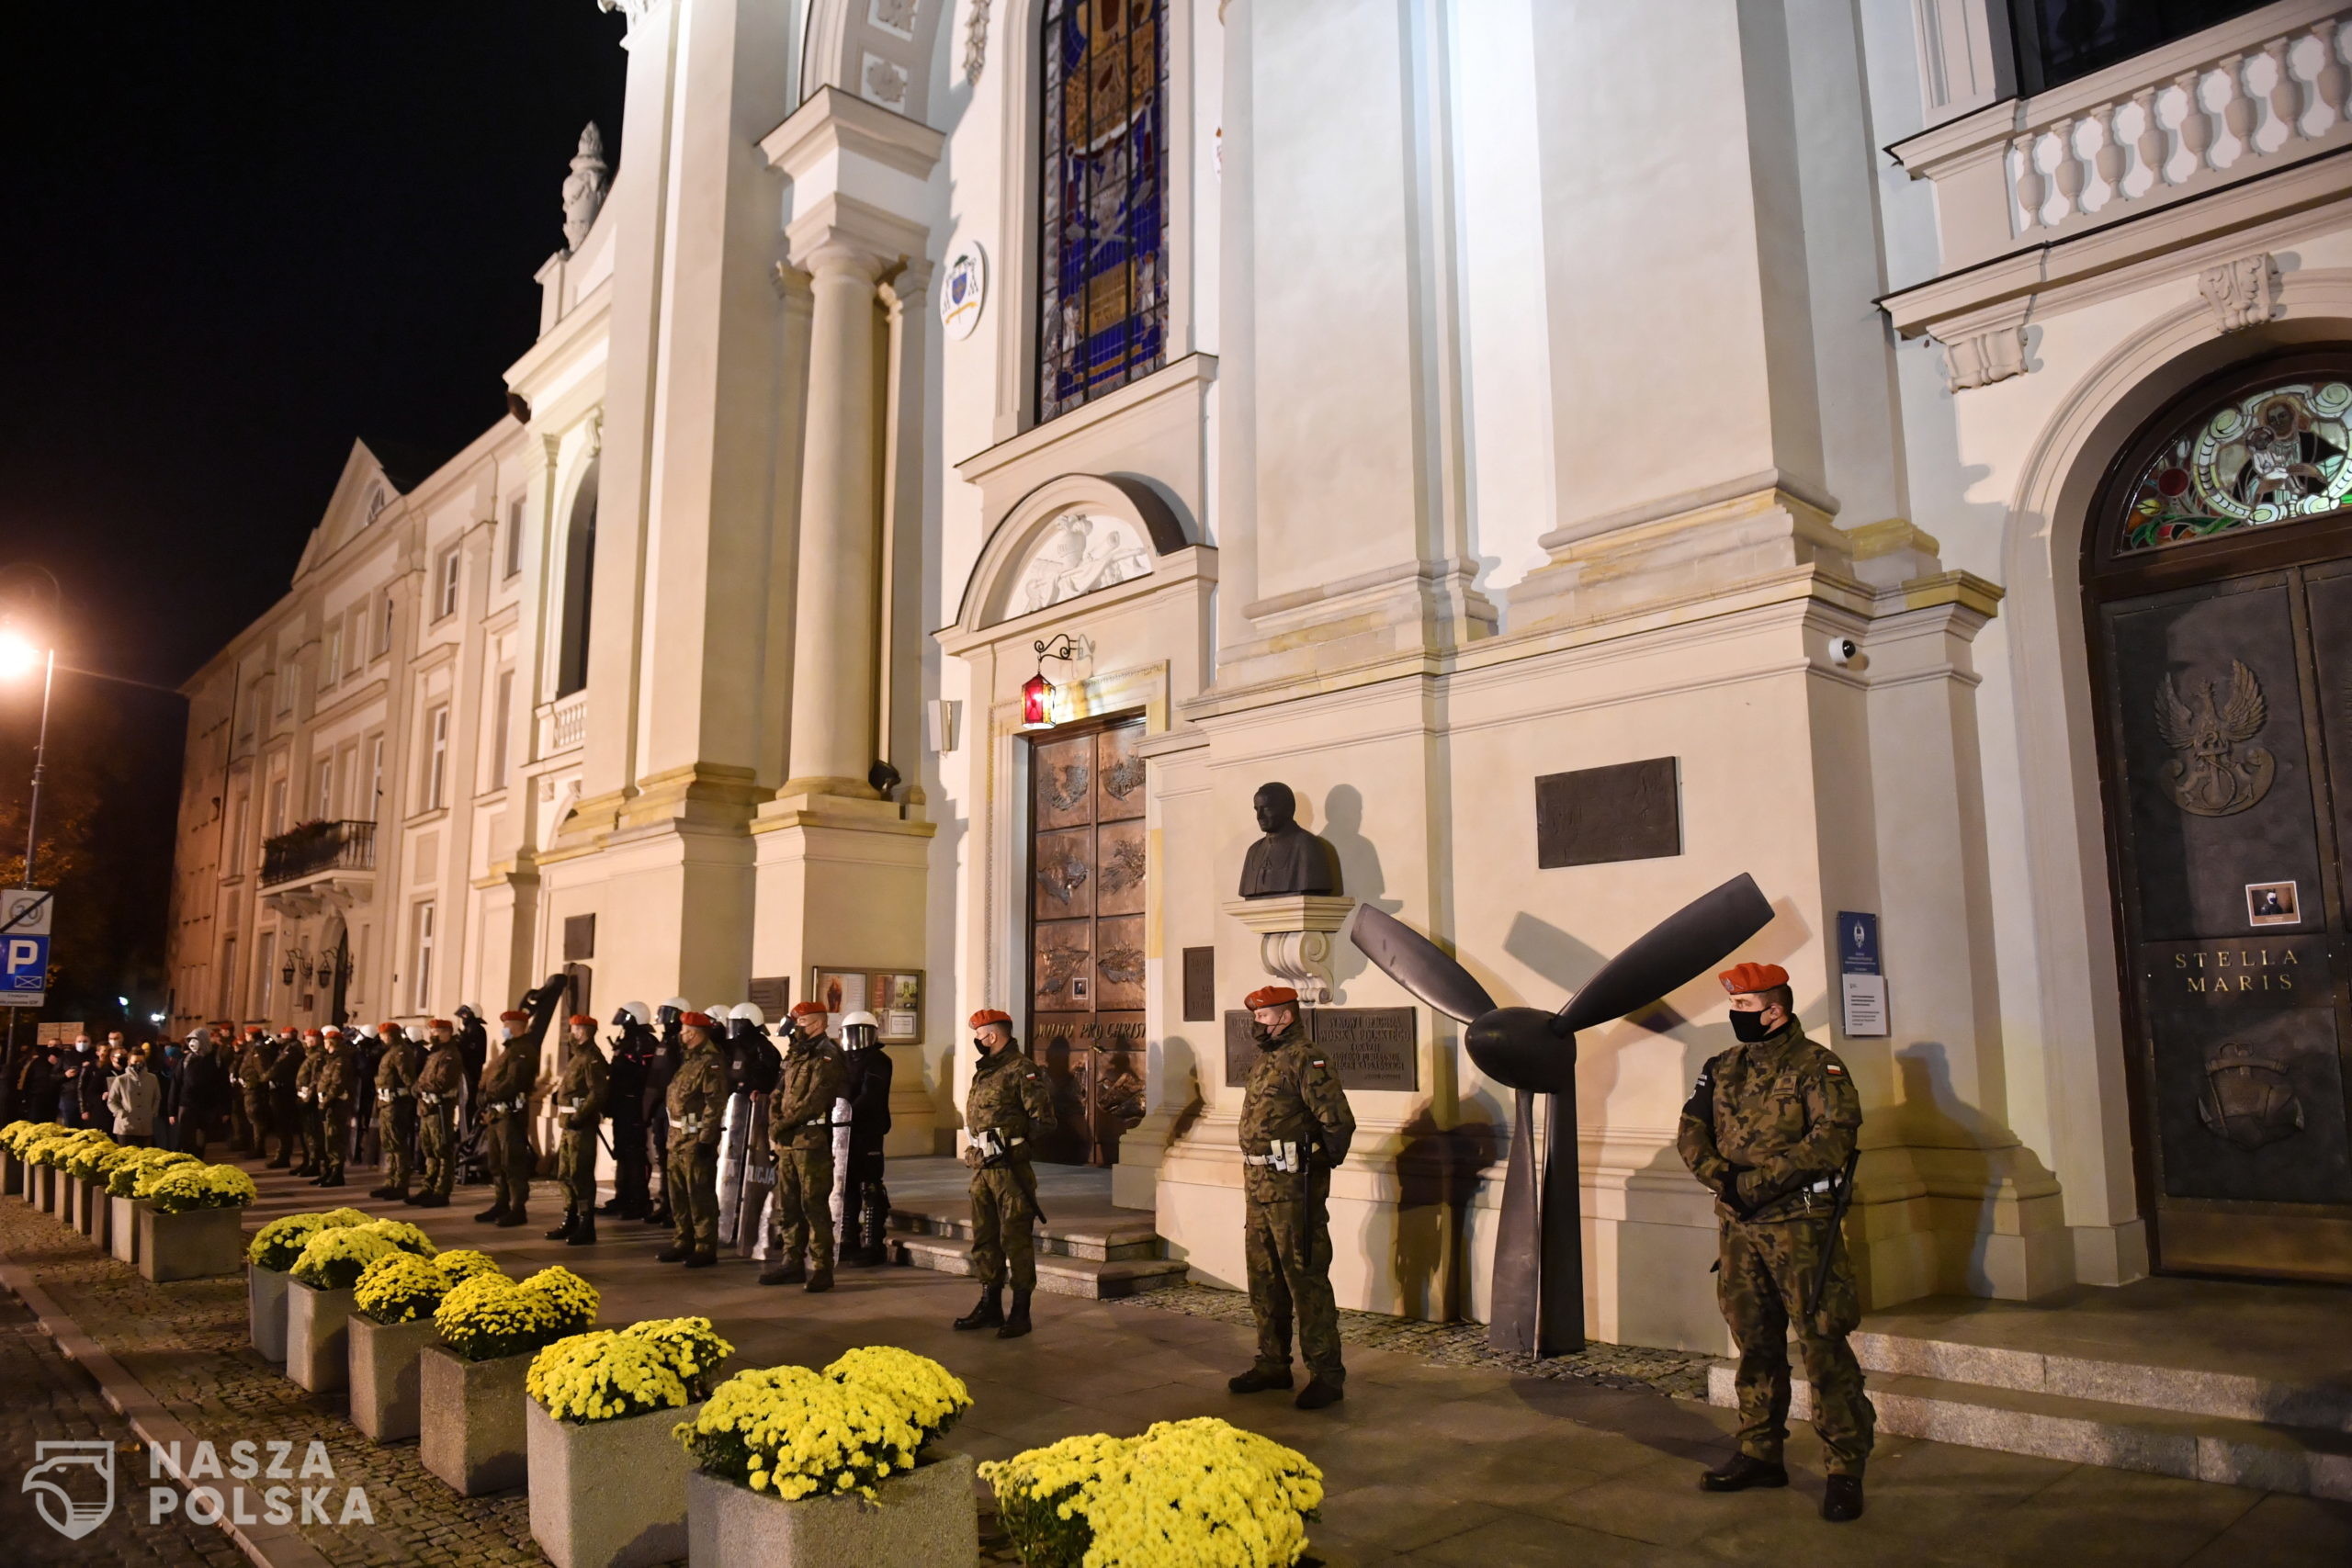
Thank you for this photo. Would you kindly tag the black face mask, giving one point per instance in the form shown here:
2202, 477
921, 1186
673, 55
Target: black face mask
980, 1046
1747, 1028
1263, 1033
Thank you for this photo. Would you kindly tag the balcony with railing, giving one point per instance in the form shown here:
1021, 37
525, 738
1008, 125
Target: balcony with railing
2253, 95
314, 848
563, 724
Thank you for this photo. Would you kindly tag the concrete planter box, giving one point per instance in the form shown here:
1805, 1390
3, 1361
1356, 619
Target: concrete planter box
470, 1427
317, 1351
384, 1376
91, 1210
266, 1310
194, 1246
12, 1175
580, 1516
44, 1187
926, 1519
122, 1228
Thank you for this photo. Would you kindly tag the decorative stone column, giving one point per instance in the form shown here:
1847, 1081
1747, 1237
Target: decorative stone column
1294, 935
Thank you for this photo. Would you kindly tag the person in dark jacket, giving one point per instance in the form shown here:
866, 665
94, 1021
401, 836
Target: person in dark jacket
90, 1087
866, 1202
201, 1085
625, 1101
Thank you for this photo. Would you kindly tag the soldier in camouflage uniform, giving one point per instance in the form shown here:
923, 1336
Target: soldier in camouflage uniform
396, 1073
1295, 1128
440, 1084
506, 1086
330, 1087
580, 1092
314, 1051
695, 1102
285, 1100
1770, 1129
251, 1071
1006, 1110
800, 1127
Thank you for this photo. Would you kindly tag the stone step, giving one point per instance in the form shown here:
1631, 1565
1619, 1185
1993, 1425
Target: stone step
1058, 1273
2305, 1460
1095, 1241
2325, 1404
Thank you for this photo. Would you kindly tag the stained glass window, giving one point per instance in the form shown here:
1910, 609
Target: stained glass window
2268, 457
1103, 317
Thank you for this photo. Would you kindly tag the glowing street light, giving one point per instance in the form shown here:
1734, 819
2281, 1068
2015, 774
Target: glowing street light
17, 655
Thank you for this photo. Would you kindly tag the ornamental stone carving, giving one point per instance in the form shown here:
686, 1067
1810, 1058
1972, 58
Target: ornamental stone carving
2242, 292
1979, 359
633, 11
976, 41
585, 187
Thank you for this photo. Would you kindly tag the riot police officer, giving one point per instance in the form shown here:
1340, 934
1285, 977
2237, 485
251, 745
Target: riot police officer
866, 1202
625, 1103
661, 1064
286, 1101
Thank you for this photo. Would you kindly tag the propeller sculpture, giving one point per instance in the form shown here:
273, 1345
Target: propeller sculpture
1539, 1256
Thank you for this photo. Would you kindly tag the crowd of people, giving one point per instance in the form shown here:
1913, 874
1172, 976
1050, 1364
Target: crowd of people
171, 1093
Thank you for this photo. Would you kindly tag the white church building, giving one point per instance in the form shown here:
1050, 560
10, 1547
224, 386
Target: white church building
1895, 448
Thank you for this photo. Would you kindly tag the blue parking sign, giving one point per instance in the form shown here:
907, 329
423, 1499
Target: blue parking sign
25, 916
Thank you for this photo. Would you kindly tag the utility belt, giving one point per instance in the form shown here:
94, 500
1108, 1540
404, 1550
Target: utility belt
1815, 1197
435, 1101
567, 1107
389, 1095
1285, 1157
996, 1149
691, 1126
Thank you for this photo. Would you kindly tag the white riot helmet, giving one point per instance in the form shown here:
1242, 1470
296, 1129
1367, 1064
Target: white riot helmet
675, 1009
863, 1019
748, 1012
719, 1013
637, 1010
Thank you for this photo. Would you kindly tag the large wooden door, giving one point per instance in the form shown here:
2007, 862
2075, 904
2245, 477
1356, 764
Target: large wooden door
2223, 635
1086, 931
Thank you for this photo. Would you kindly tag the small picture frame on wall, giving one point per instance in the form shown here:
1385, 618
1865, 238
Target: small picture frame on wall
895, 997
2273, 904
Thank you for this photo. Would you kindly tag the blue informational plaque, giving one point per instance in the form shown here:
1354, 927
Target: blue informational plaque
1862, 979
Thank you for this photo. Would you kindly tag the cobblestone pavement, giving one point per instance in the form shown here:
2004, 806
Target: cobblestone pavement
1682, 1374
1441, 1454
43, 1397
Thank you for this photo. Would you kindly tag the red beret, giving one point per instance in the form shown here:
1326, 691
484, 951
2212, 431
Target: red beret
802, 1010
382, 1026
990, 1015
253, 1032
583, 1020
699, 1020
310, 1034
1271, 996
514, 1015
442, 1023
1744, 977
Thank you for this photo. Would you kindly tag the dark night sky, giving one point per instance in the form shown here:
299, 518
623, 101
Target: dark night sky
234, 238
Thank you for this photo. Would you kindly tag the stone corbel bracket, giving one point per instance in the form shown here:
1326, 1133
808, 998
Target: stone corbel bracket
1294, 936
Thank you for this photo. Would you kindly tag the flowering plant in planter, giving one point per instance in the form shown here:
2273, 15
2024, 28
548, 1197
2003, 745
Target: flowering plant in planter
462, 1263
489, 1315
123, 1177
403, 1236
180, 1188
56, 1148
659, 1364
278, 1243
90, 1156
150, 1171
1192, 1492
333, 1260
797, 1433
17, 1134
399, 1287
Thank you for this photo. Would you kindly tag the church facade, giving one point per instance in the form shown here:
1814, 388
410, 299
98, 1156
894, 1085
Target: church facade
1895, 450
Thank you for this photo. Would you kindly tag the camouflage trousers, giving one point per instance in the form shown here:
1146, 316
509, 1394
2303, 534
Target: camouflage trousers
575, 1167
1003, 1242
1764, 1272
508, 1146
335, 1136
800, 1215
436, 1144
257, 1125
1290, 1276
692, 1176
400, 1140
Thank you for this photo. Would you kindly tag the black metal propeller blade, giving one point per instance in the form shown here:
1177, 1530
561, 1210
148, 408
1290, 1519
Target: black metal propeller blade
1419, 964
1517, 1048
1669, 954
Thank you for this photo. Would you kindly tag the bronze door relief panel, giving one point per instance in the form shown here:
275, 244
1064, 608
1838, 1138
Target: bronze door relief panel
1086, 932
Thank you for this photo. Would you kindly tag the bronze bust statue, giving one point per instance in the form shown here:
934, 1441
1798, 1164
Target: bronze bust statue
1289, 859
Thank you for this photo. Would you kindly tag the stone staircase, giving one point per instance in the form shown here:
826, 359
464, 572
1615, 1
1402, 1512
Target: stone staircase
2096, 1405
1091, 1255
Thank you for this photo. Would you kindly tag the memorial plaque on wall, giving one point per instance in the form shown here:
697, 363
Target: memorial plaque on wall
772, 993
1368, 1047
1624, 811
1200, 985
579, 938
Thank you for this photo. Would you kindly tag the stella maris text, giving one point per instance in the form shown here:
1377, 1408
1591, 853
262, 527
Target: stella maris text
2231, 971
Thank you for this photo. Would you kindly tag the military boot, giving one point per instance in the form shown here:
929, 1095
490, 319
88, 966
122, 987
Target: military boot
1742, 1472
386, 1190
677, 1252
1318, 1394
786, 1273
1016, 1323
1841, 1498
493, 1215
584, 1230
989, 1313
819, 1279
514, 1217
432, 1200
1258, 1379
563, 1232
703, 1259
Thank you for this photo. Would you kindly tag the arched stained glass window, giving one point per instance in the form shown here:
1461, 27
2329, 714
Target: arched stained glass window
2269, 456
1102, 313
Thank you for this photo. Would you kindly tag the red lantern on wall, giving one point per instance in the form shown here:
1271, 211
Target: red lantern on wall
1037, 693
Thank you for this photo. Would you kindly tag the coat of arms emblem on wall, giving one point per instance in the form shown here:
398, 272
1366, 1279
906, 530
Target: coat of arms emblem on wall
2211, 777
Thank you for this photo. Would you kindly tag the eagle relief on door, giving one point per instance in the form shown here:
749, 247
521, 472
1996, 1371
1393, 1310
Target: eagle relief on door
1086, 941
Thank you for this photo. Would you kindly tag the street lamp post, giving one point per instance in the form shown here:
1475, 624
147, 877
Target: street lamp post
40, 755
